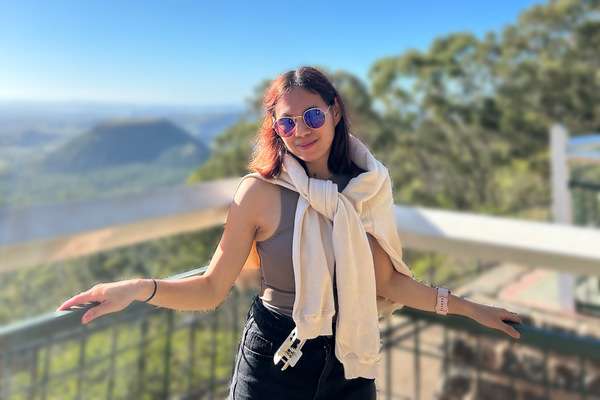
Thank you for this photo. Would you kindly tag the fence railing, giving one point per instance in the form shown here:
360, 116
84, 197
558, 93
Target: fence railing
141, 352
149, 352
465, 361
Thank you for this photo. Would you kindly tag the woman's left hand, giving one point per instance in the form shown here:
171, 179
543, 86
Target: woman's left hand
495, 317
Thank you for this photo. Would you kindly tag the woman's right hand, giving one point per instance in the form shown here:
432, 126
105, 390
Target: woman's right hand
113, 297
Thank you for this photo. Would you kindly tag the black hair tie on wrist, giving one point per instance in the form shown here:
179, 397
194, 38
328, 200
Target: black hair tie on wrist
153, 292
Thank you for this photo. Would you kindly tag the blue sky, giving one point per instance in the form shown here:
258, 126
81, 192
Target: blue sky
209, 52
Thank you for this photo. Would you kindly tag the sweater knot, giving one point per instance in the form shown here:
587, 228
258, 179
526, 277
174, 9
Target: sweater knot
323, 197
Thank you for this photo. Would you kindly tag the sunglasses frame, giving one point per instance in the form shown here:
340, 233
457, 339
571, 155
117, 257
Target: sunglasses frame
294, 118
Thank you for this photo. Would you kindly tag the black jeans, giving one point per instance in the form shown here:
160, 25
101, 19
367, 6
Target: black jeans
318, 374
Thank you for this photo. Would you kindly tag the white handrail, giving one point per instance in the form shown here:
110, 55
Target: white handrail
60, 232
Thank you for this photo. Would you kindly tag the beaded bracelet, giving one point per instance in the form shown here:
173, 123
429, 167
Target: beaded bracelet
153, 292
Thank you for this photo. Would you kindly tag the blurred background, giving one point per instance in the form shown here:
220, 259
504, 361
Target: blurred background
124, 129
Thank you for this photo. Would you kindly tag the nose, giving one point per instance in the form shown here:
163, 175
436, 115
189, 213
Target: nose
301, 128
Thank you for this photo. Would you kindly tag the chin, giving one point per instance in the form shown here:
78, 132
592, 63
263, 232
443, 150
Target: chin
314, 157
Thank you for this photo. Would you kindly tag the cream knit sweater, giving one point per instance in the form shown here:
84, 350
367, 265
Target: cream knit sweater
331, 225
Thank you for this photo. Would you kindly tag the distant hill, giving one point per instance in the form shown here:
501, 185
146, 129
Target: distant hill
121, 142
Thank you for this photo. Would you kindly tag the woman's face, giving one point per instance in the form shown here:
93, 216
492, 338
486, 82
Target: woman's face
294, 103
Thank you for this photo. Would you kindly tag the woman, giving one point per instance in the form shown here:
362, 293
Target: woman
305, 119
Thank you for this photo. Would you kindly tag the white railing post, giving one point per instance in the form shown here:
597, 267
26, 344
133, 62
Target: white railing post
559, 172
562, 212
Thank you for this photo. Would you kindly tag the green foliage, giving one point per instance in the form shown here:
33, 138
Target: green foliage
231, 153
97, 371
473, 115
39, 289
464, 125
33, 187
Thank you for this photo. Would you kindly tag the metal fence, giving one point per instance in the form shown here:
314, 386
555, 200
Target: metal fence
147, 352
142, 352
466, 361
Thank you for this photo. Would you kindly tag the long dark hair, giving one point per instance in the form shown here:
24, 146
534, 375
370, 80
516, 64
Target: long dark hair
269, 149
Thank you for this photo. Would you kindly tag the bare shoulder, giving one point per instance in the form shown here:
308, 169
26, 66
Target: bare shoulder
256, 196
253, 189
242, 224
264, 202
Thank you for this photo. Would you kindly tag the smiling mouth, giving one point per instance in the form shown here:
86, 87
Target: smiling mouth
308, 144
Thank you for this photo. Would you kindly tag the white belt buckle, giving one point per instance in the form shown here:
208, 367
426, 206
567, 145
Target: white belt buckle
286, 352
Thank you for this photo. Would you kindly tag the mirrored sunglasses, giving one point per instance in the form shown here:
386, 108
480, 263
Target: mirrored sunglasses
314, 118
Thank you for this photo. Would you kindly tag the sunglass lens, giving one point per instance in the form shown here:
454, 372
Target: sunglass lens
314, 118
284, 126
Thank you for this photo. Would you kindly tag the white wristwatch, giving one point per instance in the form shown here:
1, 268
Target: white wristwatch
441, 305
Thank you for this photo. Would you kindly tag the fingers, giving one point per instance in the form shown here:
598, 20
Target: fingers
510, 320
95, 312
514, 317
507, 327
509, 315
81, 298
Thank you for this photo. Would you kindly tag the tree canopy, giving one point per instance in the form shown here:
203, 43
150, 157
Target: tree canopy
464, 124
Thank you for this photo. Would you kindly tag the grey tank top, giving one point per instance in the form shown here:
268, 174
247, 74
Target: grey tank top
277, 286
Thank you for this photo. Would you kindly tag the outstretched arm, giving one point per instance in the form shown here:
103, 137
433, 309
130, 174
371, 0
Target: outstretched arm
196, 293
403, 289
